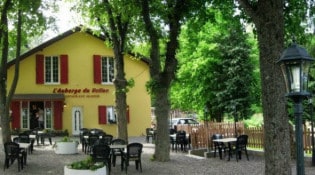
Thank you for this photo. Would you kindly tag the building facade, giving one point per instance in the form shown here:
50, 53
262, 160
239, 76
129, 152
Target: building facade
70, 77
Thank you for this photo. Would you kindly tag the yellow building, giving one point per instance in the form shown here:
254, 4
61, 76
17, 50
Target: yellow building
71, 78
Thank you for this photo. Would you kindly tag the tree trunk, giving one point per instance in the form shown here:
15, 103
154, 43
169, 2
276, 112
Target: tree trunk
276, 121
118, 34
269, 20
161, 78
162, 142
120, 92
121, 107
4, 105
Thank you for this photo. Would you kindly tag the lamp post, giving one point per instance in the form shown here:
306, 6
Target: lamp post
295, 63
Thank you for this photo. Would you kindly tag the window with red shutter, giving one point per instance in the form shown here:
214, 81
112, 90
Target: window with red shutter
102, 115
107, 114
97, 69
63, 69
47, 69
16, 114
39, 69
103, 69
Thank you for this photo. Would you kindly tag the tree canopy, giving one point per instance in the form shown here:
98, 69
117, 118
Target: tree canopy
216, 71
19, 21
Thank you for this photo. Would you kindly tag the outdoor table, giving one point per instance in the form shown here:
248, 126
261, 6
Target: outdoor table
229, 141
25, 146
174, 136
117, 146
32, 136
41, 135
86, 137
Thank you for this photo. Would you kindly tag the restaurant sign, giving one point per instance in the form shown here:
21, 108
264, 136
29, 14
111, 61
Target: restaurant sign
80, 92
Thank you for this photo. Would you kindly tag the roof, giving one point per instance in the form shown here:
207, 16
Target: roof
62, 36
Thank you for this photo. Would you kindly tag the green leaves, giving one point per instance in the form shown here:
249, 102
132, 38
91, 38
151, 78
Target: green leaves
86, 164
216, 68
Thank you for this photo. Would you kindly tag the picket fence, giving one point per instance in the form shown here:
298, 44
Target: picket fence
200, 135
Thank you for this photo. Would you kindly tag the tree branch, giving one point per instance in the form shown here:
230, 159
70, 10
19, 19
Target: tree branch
154, 39
114, 35
17, 60
249, 8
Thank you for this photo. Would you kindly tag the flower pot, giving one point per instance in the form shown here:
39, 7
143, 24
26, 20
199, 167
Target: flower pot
66, 148
100, 171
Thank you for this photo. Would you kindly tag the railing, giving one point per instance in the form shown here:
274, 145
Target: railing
201, 134
307, 140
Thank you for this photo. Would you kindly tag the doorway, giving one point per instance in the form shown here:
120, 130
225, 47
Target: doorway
77, 119
34, 105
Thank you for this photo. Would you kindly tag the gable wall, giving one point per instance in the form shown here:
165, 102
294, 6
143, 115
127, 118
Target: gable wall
80, 48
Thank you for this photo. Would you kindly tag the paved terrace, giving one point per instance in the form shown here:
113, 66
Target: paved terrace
44, 161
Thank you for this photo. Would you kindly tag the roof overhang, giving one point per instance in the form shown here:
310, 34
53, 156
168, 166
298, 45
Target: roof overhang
61, 36
52, 97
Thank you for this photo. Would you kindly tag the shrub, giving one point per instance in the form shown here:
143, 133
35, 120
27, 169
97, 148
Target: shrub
86, 164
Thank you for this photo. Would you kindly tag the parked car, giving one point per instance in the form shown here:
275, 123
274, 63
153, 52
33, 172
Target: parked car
182, 121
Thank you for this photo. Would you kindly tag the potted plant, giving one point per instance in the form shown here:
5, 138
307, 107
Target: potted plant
85, 167
66, 146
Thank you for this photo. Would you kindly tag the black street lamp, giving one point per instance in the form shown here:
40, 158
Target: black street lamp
295, 64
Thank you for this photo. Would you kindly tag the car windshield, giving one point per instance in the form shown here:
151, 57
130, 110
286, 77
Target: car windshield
189, 121
183, 121
173, 122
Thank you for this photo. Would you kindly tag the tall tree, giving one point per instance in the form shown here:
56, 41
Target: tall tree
221, 77
272, 19
114, 25
162, 22
27, 20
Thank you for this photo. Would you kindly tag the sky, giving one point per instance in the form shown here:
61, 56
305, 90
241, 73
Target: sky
65, 19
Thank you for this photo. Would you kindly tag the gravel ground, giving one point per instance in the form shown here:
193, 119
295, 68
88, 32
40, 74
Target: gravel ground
44, 161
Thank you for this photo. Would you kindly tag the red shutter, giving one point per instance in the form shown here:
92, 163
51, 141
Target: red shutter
16, 113
97, 69
39, 69
64, 69
102, 115
58, 107
128, 114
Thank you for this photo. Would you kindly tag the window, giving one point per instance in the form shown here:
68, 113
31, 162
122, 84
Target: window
107, 115
51, 69
111, 115
25, 115
48, 118
103, 69
25, 118
107, 69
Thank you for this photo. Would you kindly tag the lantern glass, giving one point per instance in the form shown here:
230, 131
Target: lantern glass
296, 75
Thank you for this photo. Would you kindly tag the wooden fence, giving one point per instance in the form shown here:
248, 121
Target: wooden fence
201, 134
